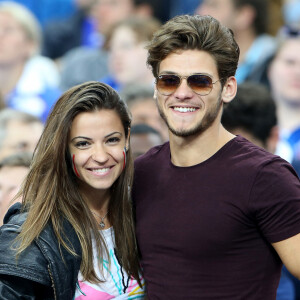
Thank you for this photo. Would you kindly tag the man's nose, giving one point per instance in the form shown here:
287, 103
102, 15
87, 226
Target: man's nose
183, 91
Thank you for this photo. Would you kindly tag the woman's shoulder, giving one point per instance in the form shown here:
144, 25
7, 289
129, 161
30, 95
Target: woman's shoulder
31, 264
14, 215
43, 256
26, 274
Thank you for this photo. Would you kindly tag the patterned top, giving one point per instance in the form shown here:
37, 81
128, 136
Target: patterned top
117, 284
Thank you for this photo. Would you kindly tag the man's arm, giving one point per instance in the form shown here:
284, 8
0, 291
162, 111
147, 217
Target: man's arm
289, 252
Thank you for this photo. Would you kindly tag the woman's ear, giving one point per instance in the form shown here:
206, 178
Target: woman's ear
229, 90
127, 143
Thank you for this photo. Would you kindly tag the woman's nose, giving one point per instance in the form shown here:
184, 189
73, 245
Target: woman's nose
100, 154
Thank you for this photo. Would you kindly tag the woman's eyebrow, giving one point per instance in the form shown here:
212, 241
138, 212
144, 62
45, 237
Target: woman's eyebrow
80, 137
115, 132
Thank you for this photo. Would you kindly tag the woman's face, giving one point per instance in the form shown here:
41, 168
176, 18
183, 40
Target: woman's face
96, 144
15, 47
284, 73
128, 57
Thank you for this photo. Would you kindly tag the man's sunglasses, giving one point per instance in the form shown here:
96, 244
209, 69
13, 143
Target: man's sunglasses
201, 84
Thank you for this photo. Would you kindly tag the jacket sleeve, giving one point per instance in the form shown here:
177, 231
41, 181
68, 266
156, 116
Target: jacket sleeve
17, 288
27, 277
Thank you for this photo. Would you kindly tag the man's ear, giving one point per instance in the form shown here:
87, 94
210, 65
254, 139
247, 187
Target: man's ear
229, 90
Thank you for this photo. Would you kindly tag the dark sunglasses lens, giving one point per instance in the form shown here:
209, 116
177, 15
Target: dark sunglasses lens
167, 84
200, 84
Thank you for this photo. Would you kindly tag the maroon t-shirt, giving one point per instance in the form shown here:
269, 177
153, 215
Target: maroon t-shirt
204, 231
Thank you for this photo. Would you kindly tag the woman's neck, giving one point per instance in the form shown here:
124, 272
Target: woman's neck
98, 203
97, 200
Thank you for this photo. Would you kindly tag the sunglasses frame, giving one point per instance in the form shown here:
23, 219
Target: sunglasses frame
185, 77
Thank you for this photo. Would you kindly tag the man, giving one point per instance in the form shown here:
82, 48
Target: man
19, 132
249, 20
139, 99
284, 76
142, 138
215, 215
252, 114
13, 170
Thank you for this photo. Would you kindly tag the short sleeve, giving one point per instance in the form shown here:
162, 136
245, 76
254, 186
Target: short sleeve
275, 200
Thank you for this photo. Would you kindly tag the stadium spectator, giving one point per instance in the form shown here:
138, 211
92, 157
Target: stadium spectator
28, 81
19, 132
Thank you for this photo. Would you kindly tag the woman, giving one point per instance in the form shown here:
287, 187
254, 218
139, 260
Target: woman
74, 233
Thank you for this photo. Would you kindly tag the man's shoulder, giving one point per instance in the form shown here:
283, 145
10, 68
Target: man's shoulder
251, 158
154, 155
242, 148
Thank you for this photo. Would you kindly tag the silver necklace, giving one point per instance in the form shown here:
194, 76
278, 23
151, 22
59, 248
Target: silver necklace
101, 223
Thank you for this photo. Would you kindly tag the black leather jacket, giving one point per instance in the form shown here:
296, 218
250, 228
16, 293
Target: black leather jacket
40, 272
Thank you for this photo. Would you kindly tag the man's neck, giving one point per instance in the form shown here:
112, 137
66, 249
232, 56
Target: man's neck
190, 151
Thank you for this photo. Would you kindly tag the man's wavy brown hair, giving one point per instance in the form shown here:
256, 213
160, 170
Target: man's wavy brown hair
195, 33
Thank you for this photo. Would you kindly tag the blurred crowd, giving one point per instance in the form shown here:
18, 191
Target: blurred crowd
48, 46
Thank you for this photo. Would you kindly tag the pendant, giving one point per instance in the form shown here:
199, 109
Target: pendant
102, 224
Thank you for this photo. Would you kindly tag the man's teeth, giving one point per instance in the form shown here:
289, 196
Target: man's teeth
101, 171
184, 109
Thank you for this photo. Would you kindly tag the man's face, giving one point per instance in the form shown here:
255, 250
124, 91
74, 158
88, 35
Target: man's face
109, 12
128, 56
141, 143
185, 112
284, 74
222, 10
14, 45
11, 179
145, 112
20, 137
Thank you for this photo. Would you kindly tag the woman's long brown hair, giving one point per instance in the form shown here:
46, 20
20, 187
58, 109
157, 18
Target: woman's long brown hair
50, 192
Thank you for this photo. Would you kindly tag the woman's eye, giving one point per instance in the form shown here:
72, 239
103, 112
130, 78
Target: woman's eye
113, 140
82, 144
